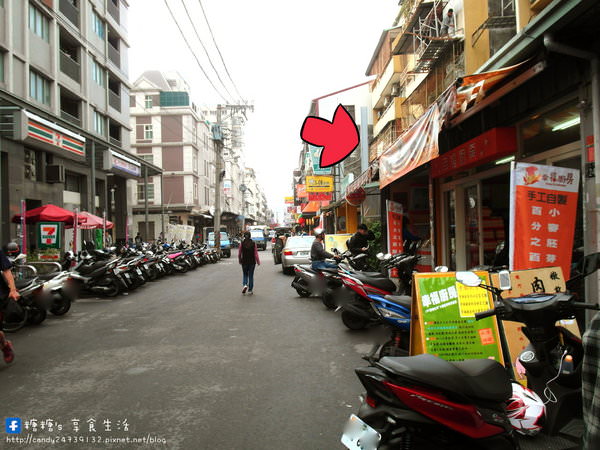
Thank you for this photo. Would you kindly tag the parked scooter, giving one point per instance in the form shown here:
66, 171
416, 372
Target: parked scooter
426, 402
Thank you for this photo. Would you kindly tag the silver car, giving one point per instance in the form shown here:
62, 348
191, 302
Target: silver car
296, 251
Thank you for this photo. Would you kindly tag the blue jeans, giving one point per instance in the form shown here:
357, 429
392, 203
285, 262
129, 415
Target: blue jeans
317, 265
248, 271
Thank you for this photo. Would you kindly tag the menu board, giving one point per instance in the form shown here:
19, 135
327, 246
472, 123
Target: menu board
443, 319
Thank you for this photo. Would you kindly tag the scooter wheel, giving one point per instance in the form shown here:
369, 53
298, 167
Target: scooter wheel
303, 293
61, 307
113, 288
16, 320
328, 299
36, 316
353, 322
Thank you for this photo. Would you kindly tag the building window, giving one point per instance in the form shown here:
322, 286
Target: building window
148, 101
140, 192
195, 191
98, 73
1, 65
206, 196
148, 158
39, 88
99, 123
98, 25
39, 24
72, 182
148, 132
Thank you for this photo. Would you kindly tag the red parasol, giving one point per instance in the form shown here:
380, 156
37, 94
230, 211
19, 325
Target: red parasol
92, 222
49, 213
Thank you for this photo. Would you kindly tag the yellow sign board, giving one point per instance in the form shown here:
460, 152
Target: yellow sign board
319, 184
289, 200
336, 241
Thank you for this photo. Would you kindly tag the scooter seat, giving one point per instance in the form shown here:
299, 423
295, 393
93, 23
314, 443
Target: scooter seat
402, 300
328, 270
384, 284
307, 268
483, 379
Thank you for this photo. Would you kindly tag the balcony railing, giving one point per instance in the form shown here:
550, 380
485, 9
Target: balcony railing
70, 11
114, 100
114, 55
113, 9
70, 118
115, 141
70, 67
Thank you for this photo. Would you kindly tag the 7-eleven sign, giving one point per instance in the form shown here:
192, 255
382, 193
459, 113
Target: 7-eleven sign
49, 234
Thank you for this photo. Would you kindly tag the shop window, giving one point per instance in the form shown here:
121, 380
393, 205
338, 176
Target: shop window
140, 192
39, 88
39, 24
549, 130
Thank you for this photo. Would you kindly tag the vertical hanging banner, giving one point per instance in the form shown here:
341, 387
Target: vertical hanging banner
395, 243
542, 216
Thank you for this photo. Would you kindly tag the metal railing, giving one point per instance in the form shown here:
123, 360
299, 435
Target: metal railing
114, 100
70, 118
115, 141
70, 67
113, 9
114, 55
70, 11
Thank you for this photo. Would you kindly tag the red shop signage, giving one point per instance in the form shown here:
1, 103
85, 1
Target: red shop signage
486, 147
319, 196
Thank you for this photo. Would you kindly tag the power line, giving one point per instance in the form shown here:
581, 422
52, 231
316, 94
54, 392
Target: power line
218, 50
193, 53
204, 48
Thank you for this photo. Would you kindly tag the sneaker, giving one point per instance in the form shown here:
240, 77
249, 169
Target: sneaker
245, 289
250, 292
9, 354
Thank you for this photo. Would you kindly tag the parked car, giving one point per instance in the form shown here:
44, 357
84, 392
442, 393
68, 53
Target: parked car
225, 243
259, 237
296, 251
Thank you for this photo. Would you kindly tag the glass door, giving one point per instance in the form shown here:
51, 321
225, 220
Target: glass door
450, 231
472, 213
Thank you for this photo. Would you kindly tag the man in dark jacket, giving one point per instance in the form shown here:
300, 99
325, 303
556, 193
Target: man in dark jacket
359, 242
318, 254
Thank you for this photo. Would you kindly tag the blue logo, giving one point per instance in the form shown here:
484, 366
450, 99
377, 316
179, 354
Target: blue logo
12, 425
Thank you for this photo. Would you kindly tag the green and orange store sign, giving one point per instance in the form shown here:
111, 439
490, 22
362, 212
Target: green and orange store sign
37, 130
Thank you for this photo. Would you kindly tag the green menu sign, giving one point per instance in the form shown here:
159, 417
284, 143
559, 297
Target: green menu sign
444, 319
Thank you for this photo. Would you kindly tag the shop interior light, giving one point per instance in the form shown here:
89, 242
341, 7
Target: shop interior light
505, 160
566, 124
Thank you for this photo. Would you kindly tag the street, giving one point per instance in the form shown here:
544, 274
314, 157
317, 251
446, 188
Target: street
190, 360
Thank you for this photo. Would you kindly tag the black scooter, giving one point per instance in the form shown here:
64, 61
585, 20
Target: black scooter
426, 402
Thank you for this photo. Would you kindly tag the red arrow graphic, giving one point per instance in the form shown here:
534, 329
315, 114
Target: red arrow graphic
338, 137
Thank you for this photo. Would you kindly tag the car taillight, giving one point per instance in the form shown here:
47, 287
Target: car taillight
288, 252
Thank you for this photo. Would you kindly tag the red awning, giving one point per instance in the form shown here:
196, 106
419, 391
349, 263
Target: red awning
314, 206
49, 213
93, 222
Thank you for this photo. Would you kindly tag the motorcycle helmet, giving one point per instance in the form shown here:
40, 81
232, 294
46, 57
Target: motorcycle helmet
319, 232
12, 249
525, 411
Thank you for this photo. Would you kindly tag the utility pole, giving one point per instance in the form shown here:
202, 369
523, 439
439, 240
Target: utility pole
218, 138
217, 132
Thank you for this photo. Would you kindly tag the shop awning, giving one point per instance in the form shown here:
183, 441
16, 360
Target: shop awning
313, 207
49, 213
92, 222
363, 179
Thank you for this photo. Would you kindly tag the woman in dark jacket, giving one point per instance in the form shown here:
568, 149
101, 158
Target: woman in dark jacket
248, 258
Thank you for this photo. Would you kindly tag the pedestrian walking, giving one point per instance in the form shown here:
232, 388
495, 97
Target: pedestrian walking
138, 239
248, 258
8, 292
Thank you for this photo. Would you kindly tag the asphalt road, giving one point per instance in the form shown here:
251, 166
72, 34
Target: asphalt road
191, 361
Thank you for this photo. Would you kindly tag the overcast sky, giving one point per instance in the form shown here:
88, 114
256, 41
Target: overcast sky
280, 53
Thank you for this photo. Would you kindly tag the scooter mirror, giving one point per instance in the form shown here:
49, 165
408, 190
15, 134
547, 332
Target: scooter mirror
441, 269
468, 279
504, 278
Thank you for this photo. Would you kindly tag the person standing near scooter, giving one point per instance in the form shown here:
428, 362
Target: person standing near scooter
248, 258
8, 292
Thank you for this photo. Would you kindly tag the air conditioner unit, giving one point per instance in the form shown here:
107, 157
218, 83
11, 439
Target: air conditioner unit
395, 89
386, 101
55, 173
